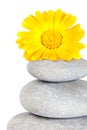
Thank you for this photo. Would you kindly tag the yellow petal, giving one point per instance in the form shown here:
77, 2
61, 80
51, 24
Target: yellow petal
52, 55
46, 54
68, 23
32, 23
76, 56
50, 19
58, 16
40, 18
29, 54
38, 54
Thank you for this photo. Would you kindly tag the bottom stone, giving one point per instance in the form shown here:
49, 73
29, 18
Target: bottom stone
26, 121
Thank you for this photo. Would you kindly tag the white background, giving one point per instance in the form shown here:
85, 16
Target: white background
13, 73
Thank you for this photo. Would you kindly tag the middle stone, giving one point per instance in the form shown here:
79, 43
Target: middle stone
56, 100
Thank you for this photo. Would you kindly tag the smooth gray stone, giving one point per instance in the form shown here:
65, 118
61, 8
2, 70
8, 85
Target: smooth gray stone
57, 100
58, 71
28, 121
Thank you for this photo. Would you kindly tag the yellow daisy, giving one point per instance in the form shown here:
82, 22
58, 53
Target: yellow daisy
52, 36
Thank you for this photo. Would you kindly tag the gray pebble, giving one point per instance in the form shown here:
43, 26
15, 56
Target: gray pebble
58, 71
26, 121
56, 100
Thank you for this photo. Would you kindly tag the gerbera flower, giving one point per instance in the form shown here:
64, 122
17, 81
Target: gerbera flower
51, 35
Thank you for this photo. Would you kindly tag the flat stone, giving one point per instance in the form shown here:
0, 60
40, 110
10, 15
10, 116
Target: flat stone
58, 71
28, 121
56, 100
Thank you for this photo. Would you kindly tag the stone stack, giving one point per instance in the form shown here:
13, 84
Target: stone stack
57, 100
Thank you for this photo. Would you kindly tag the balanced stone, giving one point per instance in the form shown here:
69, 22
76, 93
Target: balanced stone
26, 121
56, 100
58, 71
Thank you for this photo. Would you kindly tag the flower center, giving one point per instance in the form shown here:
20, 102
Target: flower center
51, 39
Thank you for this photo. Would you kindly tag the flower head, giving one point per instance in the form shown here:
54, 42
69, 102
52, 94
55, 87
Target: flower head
51, 35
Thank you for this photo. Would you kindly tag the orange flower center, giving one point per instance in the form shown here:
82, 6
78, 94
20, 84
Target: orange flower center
51, 39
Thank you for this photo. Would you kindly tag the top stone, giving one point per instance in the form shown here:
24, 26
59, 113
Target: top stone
58, 71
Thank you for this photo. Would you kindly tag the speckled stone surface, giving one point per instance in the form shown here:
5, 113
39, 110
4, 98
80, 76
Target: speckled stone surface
26, 121
58, 71
57, 100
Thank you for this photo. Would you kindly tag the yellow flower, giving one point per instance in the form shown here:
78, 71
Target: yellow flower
52, 36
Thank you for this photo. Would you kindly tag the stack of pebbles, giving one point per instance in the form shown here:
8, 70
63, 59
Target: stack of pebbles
57, 100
